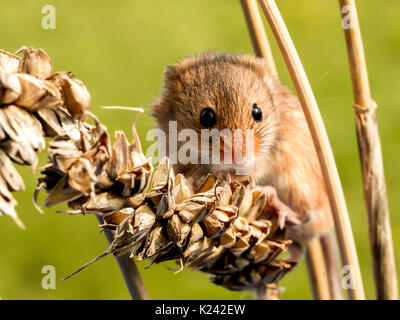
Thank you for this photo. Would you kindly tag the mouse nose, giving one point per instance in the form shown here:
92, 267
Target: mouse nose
238, 148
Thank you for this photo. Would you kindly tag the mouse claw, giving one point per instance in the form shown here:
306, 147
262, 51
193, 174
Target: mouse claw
282, 219
286, 217
284, 214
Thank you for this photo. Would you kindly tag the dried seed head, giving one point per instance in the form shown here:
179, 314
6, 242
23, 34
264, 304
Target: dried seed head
35, 104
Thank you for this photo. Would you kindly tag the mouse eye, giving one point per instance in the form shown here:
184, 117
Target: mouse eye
256, 112
208, 118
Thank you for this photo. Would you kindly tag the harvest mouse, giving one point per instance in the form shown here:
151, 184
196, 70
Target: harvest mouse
219, 91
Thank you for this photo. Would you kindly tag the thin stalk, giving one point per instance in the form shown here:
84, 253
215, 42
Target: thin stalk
341, 217
257, 33
332, 264
130, 272
369, 146
317, 271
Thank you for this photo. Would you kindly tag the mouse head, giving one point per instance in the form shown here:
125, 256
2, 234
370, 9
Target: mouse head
228, 96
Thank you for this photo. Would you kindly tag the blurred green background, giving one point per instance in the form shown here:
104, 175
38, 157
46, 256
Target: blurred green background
119, 49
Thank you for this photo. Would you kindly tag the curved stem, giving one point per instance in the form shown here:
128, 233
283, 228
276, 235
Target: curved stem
336, 196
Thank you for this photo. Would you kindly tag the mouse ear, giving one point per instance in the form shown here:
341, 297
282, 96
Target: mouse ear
271, 82
171, 73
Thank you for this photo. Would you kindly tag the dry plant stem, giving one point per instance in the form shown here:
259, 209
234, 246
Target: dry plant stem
320, 138
332, 264
260, 293
130, 272
257, 33
265, 293
372, 164
262, 49
317, 271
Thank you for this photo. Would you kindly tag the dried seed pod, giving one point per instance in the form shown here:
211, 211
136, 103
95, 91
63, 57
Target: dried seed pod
136, 200
178, 230
117, 218
130, 234
81, 176
25, 125
51, 99
8, 62
242, 198
260, 229
10, 174
56, 122
75, 95
219, 220
186, 216
208, 184
63, 153
162, 175
183, 190
20, 152
157, 242
35, 62
60, 193
228, 239
32, 91
104, 203
24, 134
10, 87
119, 158
8, 203
197, 210
144, 218
27, 91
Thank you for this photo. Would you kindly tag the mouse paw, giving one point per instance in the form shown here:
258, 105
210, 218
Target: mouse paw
285, 215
